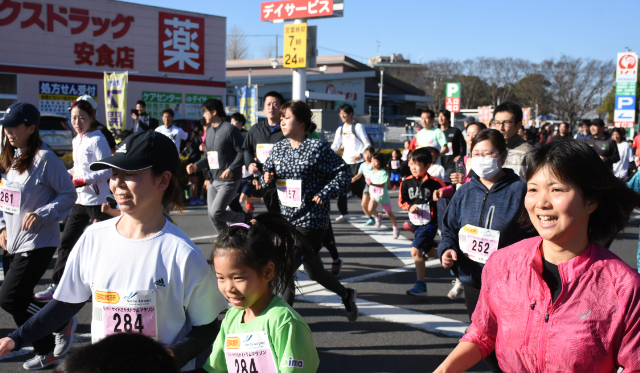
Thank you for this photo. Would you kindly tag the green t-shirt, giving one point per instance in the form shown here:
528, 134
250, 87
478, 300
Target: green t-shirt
380, 177
290, 339
433, 137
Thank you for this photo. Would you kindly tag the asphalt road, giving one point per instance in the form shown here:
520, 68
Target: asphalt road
395, 332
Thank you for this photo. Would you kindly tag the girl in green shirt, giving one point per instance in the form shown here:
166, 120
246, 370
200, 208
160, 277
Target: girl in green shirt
262, 333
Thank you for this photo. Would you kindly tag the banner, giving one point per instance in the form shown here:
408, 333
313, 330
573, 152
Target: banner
247, 98
193, 105
56, 97
115, 97
158, 101
484, 114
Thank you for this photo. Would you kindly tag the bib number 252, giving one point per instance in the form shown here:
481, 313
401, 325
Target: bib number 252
481, 247
241, 366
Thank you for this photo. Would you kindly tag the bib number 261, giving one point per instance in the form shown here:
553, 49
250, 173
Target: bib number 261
241, 366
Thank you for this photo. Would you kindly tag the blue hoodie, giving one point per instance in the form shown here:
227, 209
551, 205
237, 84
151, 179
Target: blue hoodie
498, 209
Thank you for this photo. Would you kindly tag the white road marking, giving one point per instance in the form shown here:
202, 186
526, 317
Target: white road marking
203, 237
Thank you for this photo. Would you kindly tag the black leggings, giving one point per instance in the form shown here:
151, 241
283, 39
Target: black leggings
22, 272
471, 297
314, 267
356, 188
78, 219
329, 241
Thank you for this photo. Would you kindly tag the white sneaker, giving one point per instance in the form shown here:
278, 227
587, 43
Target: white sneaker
396, 233
378, 220
456, 290
64, 339
41, 361
343, 218
46, 294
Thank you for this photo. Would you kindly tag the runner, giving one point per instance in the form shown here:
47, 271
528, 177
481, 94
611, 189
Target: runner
352, 138
89, 145
196, 179
394, 165
111, 263
365, 170
507, 118
176, 134
308, 174
379, 194
560, 302
223, 146
621, 168
416, 196
455, 142
430, 135
258, 145
37, 193
253, 263
406, 151
482, 214
584, 134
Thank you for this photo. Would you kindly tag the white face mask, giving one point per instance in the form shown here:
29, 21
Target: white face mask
485, 168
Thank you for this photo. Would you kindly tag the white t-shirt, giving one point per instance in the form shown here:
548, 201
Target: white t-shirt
438, 171
176, 134
164, 278
353, 140
621, 167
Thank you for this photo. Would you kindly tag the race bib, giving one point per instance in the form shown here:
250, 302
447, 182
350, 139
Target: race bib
10, 195
124, 312
212, 157
290, 192
376, 191
263, 151
249, 353
349, 139
395, 165
478, 243
422, 216
450, 147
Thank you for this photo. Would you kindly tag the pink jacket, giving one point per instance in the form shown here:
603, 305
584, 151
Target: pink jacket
594, 325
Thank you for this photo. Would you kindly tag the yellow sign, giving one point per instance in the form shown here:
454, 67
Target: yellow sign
295, 46
115, 97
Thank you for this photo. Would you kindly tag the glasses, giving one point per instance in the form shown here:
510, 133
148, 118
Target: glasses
504, 123
485, 155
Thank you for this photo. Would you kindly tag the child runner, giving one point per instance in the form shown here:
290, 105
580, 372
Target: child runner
416, 196
395, 164
406, 151
365, 171
40, 193
253, 263
143, 273
379, 193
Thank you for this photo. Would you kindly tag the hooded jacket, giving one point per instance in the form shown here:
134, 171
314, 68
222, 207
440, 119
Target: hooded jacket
593, 326
227, 141
259, 134
498, 209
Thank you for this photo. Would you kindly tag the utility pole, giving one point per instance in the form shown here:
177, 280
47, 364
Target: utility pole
299, 77
380, 98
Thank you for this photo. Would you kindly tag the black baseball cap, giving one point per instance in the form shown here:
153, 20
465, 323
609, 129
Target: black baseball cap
20, 112
143, 150
597, 122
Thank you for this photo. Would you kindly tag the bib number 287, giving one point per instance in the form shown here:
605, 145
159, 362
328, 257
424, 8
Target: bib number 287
241, 366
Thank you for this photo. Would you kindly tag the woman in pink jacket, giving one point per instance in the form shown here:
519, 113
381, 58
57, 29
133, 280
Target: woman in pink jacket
560, 302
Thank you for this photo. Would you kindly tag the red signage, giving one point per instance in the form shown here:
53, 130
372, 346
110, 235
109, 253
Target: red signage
526, 115
180, 44
294, 9
452, 104
484, 114
623, 124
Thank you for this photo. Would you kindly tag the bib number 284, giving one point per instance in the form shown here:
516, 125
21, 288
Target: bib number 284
123, 323
241, 366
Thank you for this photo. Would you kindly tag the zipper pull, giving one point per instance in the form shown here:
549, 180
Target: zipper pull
533, 306
546, 317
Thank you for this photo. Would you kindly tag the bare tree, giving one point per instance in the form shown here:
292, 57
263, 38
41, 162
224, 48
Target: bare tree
502, 76
268, 49
575, 84
533, 90
237, 44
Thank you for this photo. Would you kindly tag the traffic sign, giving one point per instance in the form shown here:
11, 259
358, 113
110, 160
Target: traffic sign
624, 115
625, 103
627, 67
295, 46
278, 11
453, 90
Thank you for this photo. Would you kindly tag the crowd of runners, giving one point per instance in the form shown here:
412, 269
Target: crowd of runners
524, 220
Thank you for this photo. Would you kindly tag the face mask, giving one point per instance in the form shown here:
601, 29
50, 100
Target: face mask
485, 168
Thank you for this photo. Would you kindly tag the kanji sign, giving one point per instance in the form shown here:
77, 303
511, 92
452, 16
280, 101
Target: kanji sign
56, 97
452, 102
484, 114
115, 99
294, 9
624, 115
158, 101
181, 43
193, 105
627, 67
295, 46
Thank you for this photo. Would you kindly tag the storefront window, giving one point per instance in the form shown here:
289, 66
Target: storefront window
8, 90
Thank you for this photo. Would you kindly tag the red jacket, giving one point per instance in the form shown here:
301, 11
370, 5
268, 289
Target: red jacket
594, 325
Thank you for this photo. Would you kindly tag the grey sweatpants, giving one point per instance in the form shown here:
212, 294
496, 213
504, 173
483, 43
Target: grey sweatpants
219, 196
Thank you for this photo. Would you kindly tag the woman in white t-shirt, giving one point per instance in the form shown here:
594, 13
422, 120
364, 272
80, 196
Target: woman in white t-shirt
144, 274
352, 138
89, 145
621, 168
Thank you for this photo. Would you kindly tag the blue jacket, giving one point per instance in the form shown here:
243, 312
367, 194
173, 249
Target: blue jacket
498, 209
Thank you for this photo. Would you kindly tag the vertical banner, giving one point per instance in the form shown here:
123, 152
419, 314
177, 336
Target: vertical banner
484, 114
247, 98
115, 97
624, 115
526, 117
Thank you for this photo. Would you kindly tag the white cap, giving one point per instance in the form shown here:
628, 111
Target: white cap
90, 100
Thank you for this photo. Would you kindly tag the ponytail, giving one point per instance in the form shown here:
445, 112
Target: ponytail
268, 238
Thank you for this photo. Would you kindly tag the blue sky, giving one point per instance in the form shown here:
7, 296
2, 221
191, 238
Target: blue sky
533, 30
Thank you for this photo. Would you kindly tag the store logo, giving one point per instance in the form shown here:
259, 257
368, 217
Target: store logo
233, 343
292, 363
627, 61
110, 297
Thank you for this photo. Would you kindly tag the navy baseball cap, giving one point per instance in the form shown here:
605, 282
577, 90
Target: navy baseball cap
143, 150
597, 122
21, 112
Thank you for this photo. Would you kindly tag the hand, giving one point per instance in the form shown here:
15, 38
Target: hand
253, 169
105, 208
226, 174
206, 185
457, 178
437, 195
202, 148
355, 158
3, 239
256, 183
30, 219
448, 257
268, 177
6, 346
603, 158
413, 209
317, 200
134, 116
456, 158
368, 182
191, 168
78, 182
170, 351
353, 180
